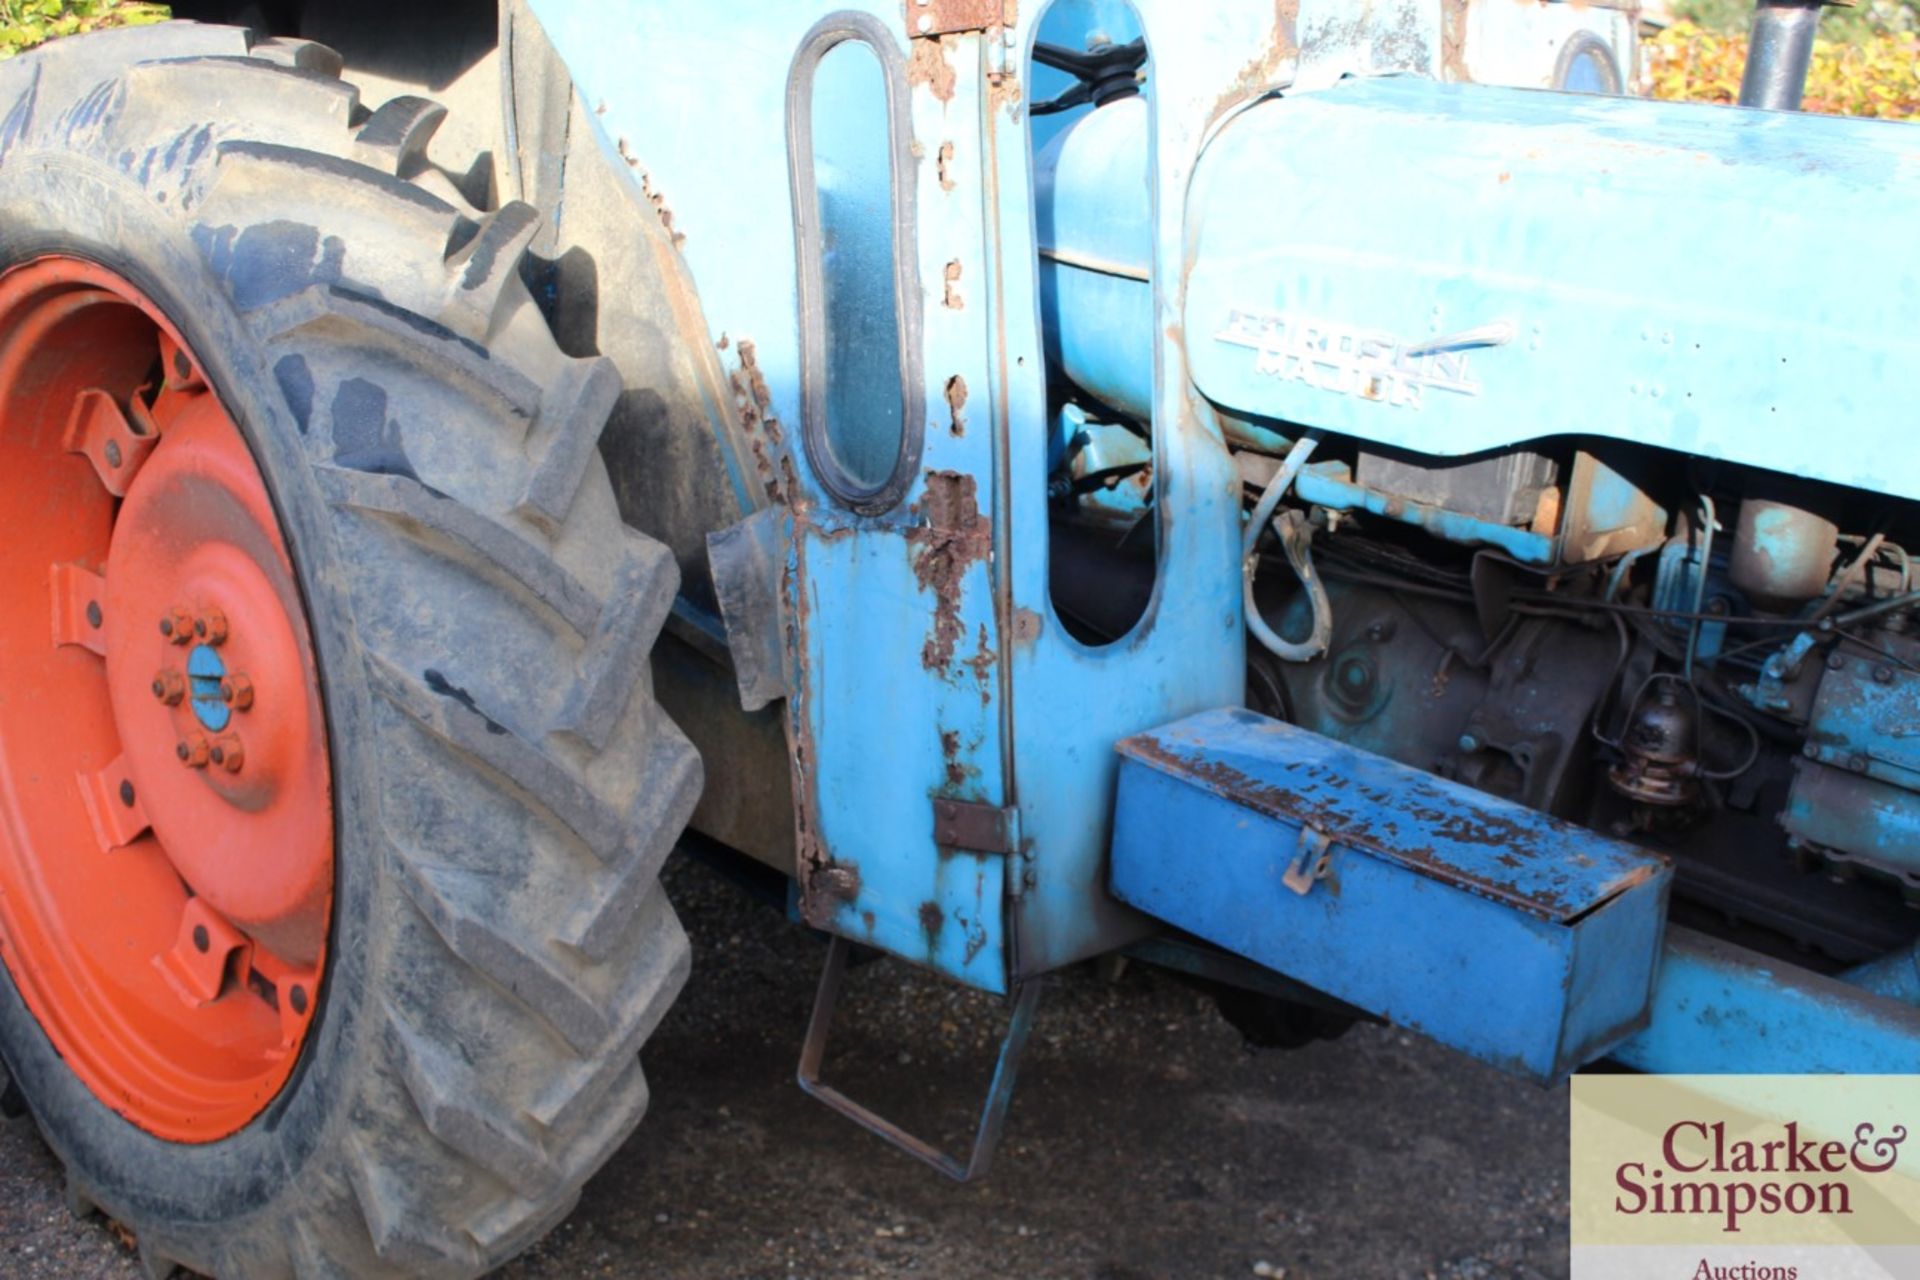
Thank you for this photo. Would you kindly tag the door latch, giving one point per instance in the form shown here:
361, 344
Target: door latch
1312, 859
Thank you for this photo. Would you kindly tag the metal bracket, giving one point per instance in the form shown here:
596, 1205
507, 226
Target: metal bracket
993, 1116
973, 826
945, 17
1311, 861
747, 560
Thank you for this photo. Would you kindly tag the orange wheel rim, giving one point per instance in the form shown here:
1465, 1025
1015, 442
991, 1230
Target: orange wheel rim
166, 814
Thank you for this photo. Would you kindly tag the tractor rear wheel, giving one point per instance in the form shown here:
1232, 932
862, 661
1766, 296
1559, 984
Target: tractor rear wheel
332, 788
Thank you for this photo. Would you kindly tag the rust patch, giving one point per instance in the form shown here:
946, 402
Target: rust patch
810, 856
752, 400
1453, 44
943, 17
946, 166
1003, 91
950, 750
982, 663
953, 301
932, 918
953, 536
1263, 68
956, 401
1026, 627
929, 66
654, 198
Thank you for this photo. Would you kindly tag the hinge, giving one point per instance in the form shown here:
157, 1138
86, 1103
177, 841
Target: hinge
945, 17
970, 825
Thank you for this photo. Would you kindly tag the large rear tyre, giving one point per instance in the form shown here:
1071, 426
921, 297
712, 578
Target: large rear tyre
474, 894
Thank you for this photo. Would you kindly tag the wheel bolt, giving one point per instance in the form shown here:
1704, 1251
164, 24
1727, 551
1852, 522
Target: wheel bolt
177, 626
193, 751
236, 691
211, 627
228, 752
170, 687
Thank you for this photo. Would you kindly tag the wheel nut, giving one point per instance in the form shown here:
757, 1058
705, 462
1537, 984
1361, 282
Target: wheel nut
228, 752
211, 627
236, 691
170, 687
177, 626
193, 750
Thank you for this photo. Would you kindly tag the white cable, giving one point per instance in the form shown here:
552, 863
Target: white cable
1294, 536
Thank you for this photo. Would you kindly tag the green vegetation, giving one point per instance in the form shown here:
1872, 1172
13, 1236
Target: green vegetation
1843, 24
1867, 73
26, 23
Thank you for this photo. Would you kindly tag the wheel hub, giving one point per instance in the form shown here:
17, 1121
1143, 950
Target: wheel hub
166, 828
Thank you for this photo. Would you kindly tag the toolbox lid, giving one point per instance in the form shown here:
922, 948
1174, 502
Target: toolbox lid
1494, 848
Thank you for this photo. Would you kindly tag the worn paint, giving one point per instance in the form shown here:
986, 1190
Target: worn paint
951, 299
1268, 63
952, 535
753, 403
1720, 1009
1487, 846
1524, 941
956, 393
929, 66
1397, 163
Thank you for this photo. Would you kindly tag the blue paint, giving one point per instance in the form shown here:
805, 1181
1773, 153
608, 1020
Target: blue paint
1326, 484
1676, 587
1719, 1009
1420, 209
1375, 203
205, 670
1857, 783
1517, 938
1094, 216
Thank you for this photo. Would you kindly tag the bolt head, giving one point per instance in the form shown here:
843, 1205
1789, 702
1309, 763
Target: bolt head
236, 691
193, 750
1883, 675
170, 687
178, 626
228, 752
1836, 663
211, 626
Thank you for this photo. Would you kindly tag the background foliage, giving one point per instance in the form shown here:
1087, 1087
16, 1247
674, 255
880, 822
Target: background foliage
1867, 62
25, 23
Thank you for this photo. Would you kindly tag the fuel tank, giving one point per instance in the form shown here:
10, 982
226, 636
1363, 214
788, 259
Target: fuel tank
1454, 268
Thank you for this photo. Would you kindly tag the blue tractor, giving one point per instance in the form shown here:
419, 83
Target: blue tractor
1331, 499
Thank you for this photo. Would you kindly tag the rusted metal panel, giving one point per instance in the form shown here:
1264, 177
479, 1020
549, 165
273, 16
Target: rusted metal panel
1520, 939
947, 17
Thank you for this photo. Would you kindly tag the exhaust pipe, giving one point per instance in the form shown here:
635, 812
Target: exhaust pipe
1779, 52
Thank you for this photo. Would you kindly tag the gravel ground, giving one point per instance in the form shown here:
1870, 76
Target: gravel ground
1146, 1142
